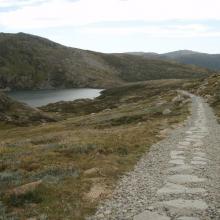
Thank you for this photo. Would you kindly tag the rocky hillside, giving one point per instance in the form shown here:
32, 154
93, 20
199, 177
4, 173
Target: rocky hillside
14, 112
211, 61
31, 62
209, 88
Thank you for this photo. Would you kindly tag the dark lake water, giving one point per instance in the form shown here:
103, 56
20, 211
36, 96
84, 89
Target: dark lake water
44, 97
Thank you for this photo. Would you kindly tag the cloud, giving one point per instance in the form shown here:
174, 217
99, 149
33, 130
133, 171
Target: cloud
20, 3
167, 31
57, 13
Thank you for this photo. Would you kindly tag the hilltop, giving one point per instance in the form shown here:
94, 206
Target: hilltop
204, 60
32, 62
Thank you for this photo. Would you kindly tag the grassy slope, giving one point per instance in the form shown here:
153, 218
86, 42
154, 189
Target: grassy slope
111, 140
136, 68
28, 61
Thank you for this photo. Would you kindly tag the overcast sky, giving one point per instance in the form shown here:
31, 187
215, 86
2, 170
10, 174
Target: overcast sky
118, 25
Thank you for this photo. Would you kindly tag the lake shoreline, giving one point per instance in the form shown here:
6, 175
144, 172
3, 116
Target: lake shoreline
38, 98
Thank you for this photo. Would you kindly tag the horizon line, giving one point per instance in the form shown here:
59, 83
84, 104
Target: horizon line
137, 51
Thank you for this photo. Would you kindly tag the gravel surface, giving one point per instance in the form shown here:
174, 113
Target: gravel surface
178, 179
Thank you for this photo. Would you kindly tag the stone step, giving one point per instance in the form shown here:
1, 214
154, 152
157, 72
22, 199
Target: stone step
176, 152
173, 157
148, 215
171, 188
182, 147
198, 144
199, 158
185, 143
177, 161
185, 204
187, 218
184, 178
200, 154
197, 162
180, 168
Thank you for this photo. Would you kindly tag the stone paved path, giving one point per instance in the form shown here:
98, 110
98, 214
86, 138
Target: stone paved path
179, 179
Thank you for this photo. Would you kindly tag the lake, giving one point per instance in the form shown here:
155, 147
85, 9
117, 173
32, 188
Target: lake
36, 98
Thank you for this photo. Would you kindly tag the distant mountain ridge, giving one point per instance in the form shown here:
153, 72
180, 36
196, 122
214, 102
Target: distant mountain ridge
205, 60
32, 62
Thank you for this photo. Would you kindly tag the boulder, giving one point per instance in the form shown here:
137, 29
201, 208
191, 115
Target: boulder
167, 111
24, 189
160, 103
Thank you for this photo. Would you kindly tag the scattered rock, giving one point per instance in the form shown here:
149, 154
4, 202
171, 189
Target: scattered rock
91, 172
96, 192
178, 98
107, 110
165, 132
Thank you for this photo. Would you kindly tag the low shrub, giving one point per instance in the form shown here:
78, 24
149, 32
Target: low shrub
55, 174
70, 150
8, 178
122, 151
21, 200
45, 140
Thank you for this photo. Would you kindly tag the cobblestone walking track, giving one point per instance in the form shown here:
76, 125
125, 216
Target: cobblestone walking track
179, 179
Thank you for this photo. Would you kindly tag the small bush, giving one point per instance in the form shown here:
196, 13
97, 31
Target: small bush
10, 178
45, 140
3, 166
21, 200
3, 215
55, 174
77, 149
126, 120
122, 151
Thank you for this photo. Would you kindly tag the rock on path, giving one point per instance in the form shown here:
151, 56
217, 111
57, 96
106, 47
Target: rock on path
179, 179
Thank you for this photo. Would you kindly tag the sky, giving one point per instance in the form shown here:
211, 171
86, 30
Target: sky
118, 25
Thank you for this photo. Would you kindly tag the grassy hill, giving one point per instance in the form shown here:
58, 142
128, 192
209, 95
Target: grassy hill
31, 62
211, 61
